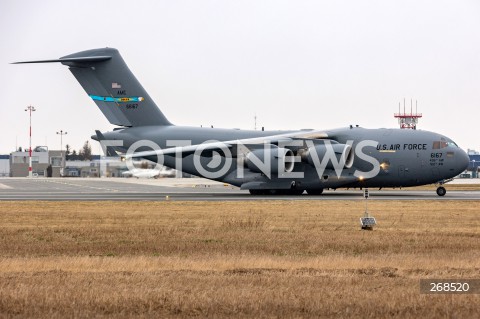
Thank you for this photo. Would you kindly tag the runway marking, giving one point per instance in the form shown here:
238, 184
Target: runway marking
3, 186
83, 186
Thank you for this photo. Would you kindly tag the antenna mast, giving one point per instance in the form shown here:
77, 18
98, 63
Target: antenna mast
408, 121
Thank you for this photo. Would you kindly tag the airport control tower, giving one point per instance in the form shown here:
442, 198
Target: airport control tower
408, 120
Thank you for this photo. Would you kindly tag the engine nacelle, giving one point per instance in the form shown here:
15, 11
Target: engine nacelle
337, 154
276, 160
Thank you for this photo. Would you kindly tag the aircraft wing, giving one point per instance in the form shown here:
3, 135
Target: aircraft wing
256, 141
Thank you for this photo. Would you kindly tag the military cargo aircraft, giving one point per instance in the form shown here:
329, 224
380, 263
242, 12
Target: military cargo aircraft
263, 162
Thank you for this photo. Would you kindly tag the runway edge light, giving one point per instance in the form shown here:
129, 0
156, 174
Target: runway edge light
367, 222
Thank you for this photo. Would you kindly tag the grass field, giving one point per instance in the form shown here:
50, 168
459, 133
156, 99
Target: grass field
236, 259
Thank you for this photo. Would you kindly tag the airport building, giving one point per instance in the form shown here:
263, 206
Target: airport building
4, 165
49, 163
474, 164
45, 162
97, 167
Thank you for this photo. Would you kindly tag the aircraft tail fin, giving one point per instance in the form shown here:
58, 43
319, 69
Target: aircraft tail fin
109, 82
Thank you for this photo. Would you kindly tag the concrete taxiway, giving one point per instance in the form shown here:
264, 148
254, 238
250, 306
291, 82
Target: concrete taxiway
115, 189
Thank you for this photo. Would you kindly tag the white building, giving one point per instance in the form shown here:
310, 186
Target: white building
44, 163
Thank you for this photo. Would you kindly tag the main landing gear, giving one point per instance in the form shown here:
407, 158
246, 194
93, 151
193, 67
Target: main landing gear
276, 191
292, 191
316, 191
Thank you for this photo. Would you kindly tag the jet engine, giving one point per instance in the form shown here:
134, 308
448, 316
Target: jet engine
273, 159
331, 152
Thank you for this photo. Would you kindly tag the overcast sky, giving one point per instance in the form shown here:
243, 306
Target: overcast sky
295, 64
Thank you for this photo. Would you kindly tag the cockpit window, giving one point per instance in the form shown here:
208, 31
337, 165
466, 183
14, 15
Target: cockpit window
437, 145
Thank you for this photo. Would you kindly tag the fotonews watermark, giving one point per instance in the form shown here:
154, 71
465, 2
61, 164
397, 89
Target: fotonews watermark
213, 159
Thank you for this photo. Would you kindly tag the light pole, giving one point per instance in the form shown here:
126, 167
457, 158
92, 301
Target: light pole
62, 133
30, 109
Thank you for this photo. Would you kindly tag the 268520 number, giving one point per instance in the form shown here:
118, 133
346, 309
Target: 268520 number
449, 287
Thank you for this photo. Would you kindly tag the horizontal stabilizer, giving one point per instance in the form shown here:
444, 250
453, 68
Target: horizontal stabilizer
66, 60
108, 150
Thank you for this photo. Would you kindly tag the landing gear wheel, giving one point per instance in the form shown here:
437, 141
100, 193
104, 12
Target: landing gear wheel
256, 192
274, 192
441, 191
295, 192
317, 191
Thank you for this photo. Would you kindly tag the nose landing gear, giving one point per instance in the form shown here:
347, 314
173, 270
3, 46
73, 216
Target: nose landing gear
441, 191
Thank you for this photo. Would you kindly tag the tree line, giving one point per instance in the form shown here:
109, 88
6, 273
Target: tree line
83, 154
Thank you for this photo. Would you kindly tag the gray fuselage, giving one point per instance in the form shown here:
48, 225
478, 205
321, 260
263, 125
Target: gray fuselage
406, 157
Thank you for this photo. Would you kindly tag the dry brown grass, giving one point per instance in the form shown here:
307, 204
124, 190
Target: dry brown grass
235, 259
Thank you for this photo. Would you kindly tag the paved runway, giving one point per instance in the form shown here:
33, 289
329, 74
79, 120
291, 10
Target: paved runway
76, 189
